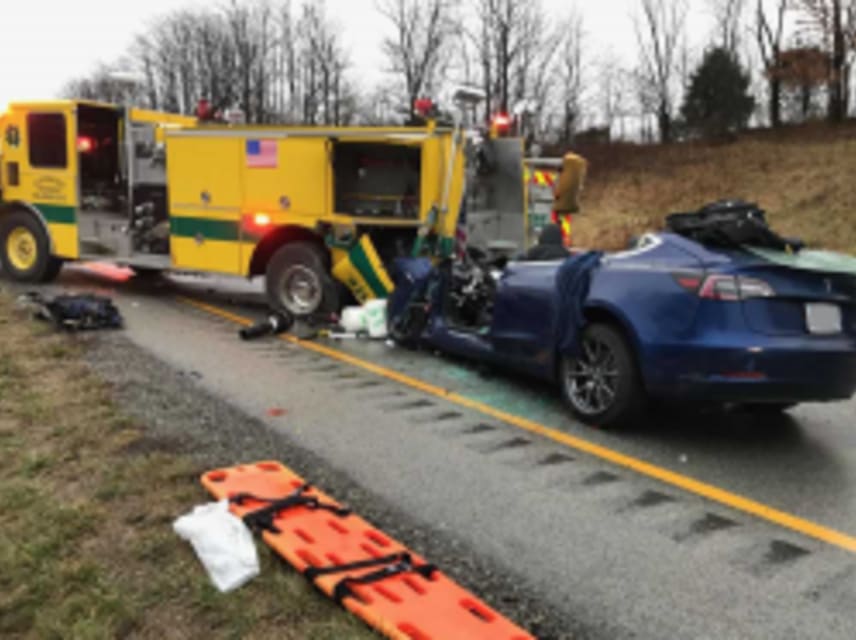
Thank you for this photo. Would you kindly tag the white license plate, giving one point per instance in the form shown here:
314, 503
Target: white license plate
823, 319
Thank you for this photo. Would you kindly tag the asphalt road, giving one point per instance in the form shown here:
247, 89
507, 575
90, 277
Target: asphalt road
618, 552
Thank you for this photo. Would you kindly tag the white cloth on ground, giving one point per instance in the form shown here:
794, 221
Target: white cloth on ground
222, 542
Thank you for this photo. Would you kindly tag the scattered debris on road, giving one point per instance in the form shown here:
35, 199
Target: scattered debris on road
74, 312
357, 322
341, 335
273, 325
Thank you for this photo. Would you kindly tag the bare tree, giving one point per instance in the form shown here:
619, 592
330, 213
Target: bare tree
186, 56
516, 50
660, 31
769, 34
542, 52
803, 70
611, 91
571, 74
284, 80
418, 50
835, 22
215, 64
647, 101
102, 86
252, 54
323, 61
248, 39
728, 15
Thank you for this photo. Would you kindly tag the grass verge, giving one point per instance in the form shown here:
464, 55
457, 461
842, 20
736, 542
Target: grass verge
87, 502
803, 178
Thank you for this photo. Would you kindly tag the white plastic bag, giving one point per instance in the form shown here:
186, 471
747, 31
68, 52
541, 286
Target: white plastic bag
353, 319
376, 318
222, 542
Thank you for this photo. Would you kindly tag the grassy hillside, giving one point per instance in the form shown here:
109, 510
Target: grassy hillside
805, 178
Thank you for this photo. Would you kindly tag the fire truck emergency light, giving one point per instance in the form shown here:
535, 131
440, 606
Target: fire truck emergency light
85, 144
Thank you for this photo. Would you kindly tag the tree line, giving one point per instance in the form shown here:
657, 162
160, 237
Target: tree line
283, 61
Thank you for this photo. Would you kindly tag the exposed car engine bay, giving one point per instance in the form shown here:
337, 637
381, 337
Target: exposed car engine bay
472, 290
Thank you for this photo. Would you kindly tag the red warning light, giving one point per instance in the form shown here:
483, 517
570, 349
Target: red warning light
85, 144
500, 126
502, 121
257, 224
423, 106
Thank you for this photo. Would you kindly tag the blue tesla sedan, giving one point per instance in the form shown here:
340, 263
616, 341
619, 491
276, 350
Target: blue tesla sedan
669, 319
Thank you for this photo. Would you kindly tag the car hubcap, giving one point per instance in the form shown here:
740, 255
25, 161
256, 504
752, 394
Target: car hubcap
301, 290
591, 379
21, 248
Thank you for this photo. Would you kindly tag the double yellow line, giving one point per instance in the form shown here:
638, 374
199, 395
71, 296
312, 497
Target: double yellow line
711, 492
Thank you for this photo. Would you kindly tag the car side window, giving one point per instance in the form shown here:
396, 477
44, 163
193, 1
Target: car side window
46, 133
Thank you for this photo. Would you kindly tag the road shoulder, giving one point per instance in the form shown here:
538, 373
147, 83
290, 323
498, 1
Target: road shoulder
183, 417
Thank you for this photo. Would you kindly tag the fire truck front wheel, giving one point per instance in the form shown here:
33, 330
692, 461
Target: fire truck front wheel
297, 281
25, 249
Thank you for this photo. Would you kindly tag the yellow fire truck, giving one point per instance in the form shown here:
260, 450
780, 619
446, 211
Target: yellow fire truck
154, 191
309, 208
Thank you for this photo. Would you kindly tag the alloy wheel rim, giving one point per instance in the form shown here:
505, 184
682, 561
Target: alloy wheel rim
301, 290
591, 379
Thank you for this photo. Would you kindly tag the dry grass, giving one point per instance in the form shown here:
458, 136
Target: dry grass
804, 178
86, 506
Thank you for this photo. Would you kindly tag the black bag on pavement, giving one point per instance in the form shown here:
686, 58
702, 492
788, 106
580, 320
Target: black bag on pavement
77, 312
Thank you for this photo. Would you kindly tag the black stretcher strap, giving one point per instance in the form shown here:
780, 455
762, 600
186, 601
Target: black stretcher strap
262, 519
396, 563
313, 572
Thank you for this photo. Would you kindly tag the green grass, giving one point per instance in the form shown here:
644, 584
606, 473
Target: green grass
86, 507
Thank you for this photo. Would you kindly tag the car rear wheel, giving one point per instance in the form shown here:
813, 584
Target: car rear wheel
297, 281
601, 385
25, 249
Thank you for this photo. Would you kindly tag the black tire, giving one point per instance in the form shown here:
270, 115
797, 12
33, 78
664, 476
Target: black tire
298, 281
602, 386
768, 408
53, 270
147, 273
44, 267
406, 330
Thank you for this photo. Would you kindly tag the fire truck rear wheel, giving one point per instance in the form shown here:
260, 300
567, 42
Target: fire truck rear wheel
297, 281
25, 249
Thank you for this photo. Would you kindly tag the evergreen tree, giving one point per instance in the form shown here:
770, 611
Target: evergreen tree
718, 100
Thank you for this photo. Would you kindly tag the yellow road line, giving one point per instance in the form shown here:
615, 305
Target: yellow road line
711, 492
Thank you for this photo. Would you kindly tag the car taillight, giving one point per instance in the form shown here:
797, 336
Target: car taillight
720, 288
689, 280
754, 288
723, 287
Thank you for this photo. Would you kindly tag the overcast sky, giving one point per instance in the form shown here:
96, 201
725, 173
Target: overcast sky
43, 43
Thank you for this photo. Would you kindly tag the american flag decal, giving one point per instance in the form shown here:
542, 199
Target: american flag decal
261, 154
